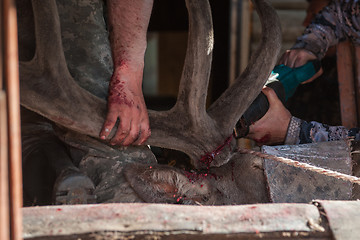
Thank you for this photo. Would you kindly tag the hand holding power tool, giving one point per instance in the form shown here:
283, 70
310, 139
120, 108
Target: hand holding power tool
284, 80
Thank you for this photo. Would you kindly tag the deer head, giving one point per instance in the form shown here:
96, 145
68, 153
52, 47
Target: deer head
48, 88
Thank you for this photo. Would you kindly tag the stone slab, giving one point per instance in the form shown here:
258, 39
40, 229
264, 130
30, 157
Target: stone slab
291, 184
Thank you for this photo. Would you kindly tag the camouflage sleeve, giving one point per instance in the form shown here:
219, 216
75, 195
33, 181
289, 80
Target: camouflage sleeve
300, 132
338, 21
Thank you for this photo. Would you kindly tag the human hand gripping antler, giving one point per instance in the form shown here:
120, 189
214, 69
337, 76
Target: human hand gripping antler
189, 126
126, 102
128, 21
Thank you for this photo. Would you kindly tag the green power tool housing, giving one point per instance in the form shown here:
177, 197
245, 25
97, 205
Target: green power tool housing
286, 81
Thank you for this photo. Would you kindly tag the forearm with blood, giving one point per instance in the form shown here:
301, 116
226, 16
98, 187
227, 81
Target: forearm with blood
129, 20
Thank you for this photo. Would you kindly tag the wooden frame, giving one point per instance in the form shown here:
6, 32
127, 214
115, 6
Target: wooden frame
317, 220
271, 221
11, 140
346, 74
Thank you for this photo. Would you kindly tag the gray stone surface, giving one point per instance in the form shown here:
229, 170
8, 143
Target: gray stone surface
290, 184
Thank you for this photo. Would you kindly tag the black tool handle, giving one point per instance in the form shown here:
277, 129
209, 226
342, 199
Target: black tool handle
258, 108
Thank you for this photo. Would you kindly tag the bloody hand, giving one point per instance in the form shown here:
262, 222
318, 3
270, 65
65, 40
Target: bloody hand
126, 103
272, 127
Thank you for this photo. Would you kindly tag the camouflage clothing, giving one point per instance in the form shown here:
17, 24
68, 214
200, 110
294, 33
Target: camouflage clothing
86, 44
339, 21
311, 132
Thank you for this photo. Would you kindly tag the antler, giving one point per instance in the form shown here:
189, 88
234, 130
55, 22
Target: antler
187, 126
249, 84
46, 84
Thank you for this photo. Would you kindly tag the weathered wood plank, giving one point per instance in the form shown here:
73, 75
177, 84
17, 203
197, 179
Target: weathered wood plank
343, 217
65, 222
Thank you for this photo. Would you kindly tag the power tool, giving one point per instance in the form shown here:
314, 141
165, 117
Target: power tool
284, 80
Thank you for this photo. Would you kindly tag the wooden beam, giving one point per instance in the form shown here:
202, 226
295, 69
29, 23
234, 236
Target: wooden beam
4, 169
289, 4
346, 84
357, 82
246, 13
343, 218
169, 221
1, 45
235, 31
11, 70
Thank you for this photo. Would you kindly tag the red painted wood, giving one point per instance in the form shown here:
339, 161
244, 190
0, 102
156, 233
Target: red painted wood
346, 85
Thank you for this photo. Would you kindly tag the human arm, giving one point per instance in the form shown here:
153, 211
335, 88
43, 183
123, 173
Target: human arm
271, 128
311, 132
128, 23
279, 127
334, 23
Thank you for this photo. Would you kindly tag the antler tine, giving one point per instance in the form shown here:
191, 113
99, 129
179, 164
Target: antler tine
47, 24
236, 99
191, 102
186, 127
196, 72
78, 110
46, 78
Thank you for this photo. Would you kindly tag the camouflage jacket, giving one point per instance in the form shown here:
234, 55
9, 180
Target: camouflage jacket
339, 21
300, 131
